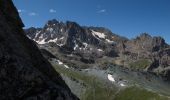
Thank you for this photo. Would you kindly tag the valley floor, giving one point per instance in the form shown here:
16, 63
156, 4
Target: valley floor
91, 84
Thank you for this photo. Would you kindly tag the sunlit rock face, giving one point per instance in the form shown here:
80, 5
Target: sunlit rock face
88, 45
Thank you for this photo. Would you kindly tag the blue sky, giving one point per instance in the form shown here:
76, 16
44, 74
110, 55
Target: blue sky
124, 17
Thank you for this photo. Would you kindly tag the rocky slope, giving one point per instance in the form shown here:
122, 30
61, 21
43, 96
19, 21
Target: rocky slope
24, 73
83, 47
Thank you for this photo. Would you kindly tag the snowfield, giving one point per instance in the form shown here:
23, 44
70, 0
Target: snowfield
53, 40
100, 35
111, 78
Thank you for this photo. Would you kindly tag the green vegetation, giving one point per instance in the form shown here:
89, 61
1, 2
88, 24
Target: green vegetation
140, 64
134, 93
96, 89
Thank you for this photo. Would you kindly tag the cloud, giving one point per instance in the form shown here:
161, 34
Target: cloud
21, 10
32, 14
52, 11
101, 11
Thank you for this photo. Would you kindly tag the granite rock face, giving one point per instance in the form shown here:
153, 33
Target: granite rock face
73, 38
24, 73
153, 49
96, 46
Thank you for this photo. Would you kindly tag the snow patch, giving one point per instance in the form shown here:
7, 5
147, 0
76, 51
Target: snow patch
52, 35
29, 37
111, 78
99, 34
50, 29
75, 46
37, 33
109, 41
60, 45
85, 44
91, 49
66, 66
53, 40
41, 42
121, 84
59, 62
100, 50
61, 38
41, 36
61, 30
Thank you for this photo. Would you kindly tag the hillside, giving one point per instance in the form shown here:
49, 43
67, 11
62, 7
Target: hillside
24, 73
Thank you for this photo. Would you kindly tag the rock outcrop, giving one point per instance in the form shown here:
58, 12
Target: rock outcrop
96, 46
24, 73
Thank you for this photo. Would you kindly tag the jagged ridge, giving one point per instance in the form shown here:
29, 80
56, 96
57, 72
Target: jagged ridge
91, 44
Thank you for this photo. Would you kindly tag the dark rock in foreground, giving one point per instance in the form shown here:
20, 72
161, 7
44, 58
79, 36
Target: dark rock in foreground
24, 73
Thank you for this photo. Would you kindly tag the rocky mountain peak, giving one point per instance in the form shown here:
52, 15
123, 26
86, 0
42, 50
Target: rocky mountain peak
145, 35
88, 44
53, 21
72, 35
146, 42
70, 24
156, 39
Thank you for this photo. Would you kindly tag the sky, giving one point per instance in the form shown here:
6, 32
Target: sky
127, 18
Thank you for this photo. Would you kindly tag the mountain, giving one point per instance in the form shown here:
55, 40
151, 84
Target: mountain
84, 47
24, 73
70, 38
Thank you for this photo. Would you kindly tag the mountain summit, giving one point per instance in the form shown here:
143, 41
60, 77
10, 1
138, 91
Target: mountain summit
98, 46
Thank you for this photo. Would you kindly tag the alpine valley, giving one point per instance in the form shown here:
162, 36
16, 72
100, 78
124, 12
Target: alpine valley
97, 64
